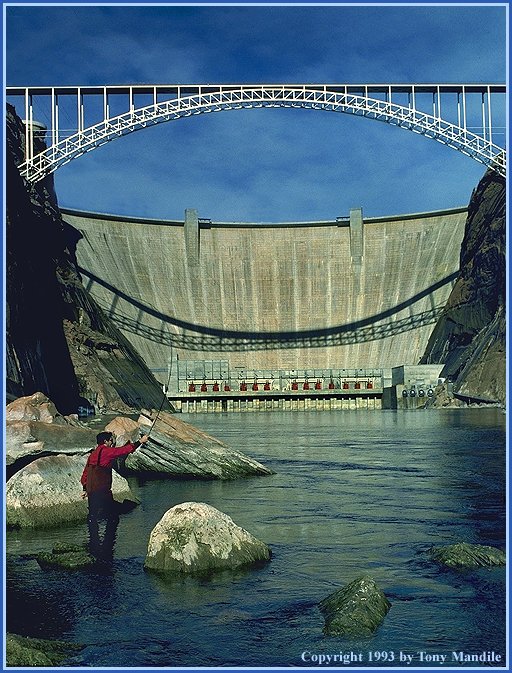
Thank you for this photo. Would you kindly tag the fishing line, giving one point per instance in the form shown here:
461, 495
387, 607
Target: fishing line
164, 397
166, 387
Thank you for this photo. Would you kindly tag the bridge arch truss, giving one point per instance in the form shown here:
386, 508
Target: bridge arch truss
420, 108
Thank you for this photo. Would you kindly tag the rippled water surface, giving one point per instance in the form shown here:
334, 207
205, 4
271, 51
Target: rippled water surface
354, 493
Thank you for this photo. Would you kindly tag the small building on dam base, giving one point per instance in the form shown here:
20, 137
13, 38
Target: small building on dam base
305, 315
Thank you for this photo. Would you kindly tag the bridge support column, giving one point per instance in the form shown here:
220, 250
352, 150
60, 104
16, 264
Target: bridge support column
191, 232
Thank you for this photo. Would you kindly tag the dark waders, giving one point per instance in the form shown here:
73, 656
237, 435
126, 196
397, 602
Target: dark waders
102, 507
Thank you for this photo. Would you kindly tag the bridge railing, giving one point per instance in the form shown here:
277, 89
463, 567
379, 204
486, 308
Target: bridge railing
75, 120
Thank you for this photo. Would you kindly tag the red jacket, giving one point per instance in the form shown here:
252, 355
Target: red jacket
97, 474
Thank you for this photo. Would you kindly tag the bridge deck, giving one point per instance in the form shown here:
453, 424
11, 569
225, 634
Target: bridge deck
427, 109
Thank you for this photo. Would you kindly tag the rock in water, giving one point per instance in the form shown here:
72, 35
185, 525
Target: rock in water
66, 557
356, 610
177, 449
21, 652
48, 492
464, 555
196, 538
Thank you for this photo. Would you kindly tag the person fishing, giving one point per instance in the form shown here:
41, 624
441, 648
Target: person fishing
96, 481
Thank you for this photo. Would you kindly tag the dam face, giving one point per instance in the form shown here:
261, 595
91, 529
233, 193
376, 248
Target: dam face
350, 293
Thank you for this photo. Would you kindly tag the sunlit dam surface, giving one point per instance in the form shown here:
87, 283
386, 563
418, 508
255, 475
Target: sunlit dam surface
359, 294
354, 493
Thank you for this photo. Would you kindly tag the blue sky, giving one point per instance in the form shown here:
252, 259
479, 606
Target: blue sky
271, 164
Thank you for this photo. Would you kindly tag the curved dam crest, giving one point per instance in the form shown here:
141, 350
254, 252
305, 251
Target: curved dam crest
356, 292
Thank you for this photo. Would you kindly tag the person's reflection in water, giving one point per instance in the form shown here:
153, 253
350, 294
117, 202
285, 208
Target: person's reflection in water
102, 546
97, 486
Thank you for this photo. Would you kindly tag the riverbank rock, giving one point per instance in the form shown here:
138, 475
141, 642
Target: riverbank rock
26, 440
125, 429
22, 651
464, 555
196, 538
178, 449
66, 557
37, 407
48, 492
444, 399
356, 610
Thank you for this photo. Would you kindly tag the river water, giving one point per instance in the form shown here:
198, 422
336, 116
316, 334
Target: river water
355, 492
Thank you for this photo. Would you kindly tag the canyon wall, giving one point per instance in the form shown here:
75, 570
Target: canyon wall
470, 337
58, 341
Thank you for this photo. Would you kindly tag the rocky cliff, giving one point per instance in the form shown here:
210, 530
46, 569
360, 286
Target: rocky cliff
470, 337
58, 341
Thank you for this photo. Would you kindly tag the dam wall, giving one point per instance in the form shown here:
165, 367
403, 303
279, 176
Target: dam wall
352, 292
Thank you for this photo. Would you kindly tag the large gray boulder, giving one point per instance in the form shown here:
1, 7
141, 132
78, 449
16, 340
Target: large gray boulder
177, 449
27, 440
464, 555
48, 492
356, 610
196, 538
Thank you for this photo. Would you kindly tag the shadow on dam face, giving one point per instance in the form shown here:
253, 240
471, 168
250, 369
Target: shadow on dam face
354, 293
196, 337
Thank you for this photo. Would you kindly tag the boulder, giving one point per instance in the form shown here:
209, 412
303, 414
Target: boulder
27, 440
125, 429
21, 652
48, 492
196, 538
356, 610
464, 555
177, 449
36, 407
66, 557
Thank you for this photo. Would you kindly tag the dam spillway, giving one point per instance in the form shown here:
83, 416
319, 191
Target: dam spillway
349, 293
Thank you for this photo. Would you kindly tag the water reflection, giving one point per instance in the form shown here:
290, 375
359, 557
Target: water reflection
353, 493
102, 510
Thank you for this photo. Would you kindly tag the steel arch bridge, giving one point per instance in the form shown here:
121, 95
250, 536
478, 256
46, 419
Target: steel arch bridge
403, 105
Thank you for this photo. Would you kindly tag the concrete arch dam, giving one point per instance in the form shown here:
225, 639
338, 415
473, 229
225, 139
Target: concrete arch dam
351, 292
